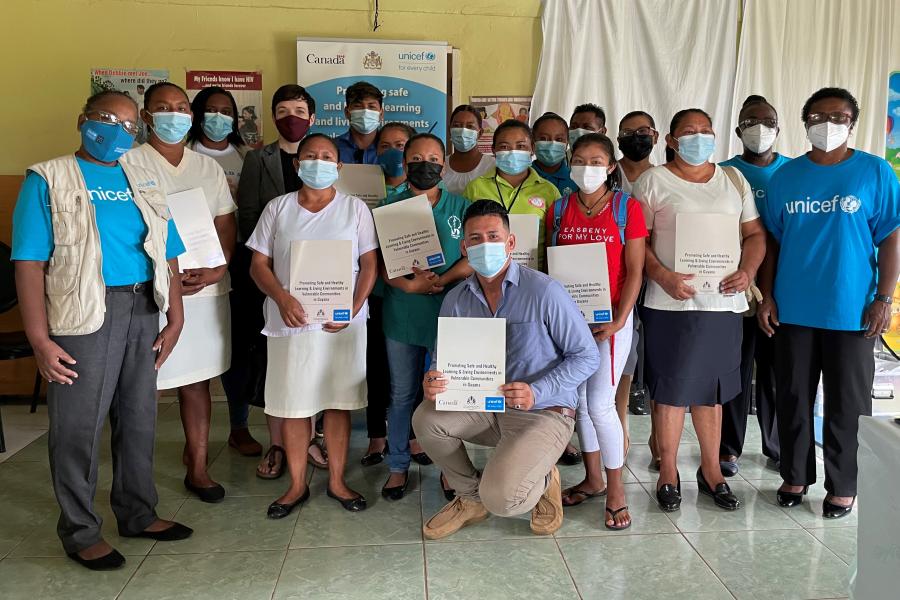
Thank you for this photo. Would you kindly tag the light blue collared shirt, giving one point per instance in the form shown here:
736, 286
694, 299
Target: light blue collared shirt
351, 155
548, 343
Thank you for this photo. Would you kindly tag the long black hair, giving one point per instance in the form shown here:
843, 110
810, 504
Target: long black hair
614, 179
198, 107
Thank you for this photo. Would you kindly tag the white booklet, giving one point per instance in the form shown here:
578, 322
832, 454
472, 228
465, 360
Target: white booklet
583, 271
471, 353
196, 228
526, 228
366, 182
322, 279
707, 246
407, 236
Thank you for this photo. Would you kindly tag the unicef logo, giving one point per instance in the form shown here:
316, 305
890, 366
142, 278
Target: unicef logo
429, 56
850, 204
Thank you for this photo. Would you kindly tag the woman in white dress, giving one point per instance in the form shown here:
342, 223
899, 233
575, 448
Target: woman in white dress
314, 367
467, 162
204, 349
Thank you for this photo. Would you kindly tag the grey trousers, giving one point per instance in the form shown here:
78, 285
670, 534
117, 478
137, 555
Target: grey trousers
526, 446
116, 376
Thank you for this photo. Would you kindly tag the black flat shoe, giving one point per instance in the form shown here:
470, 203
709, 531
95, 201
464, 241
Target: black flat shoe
356, 504
211, 495
669, 496
789, 499
373, 458
570, 458
280, 511
111, 561
836, 511
174, 533
449, 493
729, 468
397, 492
722, 495
422, 458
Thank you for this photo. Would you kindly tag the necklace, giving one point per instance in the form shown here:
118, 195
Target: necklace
590, 209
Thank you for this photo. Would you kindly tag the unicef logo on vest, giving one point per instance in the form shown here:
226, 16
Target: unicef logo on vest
850, 204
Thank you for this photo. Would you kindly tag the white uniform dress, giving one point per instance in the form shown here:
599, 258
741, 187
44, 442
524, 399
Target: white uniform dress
310, 370
456, 182
204, 348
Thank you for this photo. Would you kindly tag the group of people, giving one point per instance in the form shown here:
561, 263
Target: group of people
112, 318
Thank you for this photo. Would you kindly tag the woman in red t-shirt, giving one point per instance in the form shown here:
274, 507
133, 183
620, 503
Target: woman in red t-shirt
590, 216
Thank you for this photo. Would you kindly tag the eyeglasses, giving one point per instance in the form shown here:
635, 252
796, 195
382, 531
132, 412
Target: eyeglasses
105, 117
624, 133
747, 123
838, 118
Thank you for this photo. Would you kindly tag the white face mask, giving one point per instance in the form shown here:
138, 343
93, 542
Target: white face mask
759, 138
588, 178
827, 136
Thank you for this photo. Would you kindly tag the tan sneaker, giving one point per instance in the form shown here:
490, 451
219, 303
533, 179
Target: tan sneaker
453, 517
547, 516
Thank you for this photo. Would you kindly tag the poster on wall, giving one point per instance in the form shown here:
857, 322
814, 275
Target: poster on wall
131, 81
892, 151
246, 87
496, 109
411, 75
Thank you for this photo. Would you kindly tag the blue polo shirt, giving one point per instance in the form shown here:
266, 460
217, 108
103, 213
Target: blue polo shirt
829, 221
561, 179
757, 176
350, 154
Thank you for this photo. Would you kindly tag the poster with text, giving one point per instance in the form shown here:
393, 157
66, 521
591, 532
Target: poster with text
131, 81
411, 75
892, 151
246, 87
496, 109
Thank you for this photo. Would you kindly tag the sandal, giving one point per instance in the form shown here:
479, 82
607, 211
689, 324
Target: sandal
271, 462
312, 460
612, 515
572, 492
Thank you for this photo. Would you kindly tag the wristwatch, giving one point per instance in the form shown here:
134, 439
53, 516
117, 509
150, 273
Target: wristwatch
886, 299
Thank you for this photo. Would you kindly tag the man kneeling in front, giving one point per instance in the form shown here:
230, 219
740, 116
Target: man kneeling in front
549, 353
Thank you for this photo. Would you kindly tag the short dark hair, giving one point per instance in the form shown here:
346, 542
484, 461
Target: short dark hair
591, 108
486, 208
512, 124
467, 108
292, 91
614, 180
638, 113
148, 93
423, 136
360, 91
198, 107
317, 136
548, 116
92, 101
409, 131
681, 114
756, 100
832, 92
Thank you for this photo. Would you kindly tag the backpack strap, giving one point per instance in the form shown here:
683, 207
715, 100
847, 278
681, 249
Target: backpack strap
735, 179
620, 204
559, 209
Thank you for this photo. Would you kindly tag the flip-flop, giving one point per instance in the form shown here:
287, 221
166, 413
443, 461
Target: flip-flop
270, 461
612, 514
572, 492
312, 459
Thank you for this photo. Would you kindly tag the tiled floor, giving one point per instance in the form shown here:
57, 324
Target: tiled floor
321, 551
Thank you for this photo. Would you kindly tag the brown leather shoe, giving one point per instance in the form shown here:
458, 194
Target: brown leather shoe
243, 442
547, 516
453, 517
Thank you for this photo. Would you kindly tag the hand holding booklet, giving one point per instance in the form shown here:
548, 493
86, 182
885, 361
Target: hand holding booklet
707, 246
584, 272
407, 236
197, 230
471, 354
322, 279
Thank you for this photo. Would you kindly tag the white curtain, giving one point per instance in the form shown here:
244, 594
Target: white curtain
791, 49
659, 56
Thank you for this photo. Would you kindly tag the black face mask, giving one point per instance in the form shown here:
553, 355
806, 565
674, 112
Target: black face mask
636, 147
423, 175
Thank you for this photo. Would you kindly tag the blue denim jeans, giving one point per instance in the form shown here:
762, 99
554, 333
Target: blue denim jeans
407, 366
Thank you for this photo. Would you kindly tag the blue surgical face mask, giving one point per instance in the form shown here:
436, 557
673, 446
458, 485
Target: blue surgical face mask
105, 141
574, 134
171, 127
217, 126
318, 174
513, 162
488, 258
697, 148
550, 153
364, 120
463, 139
391, 161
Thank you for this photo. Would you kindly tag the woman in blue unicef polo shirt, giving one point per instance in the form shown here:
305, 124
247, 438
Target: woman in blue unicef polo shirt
757, 129
834, 214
